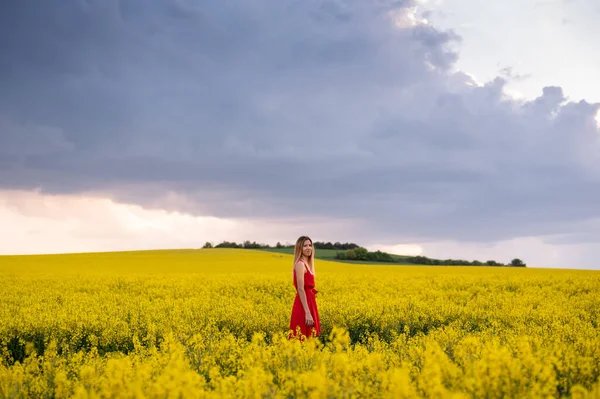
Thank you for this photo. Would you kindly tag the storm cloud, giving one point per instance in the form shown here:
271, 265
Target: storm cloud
336, 109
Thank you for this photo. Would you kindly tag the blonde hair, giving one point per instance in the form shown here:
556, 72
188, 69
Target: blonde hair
298, 252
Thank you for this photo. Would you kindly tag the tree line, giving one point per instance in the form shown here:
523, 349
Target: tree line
378, 256
254, 245
352, 251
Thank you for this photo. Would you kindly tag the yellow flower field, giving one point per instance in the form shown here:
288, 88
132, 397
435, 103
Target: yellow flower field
213, 323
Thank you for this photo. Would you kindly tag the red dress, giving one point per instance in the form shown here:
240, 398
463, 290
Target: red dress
298, 318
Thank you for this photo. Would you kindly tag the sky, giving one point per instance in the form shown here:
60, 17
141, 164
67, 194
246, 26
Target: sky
445, 128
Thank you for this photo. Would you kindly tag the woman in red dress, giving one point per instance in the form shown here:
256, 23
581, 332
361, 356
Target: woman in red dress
304, 321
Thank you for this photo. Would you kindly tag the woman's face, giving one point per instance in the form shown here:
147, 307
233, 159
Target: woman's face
307, 248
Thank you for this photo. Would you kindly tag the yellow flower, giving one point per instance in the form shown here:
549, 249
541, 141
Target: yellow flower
213, 323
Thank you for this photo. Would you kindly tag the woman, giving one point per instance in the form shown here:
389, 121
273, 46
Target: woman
305, 316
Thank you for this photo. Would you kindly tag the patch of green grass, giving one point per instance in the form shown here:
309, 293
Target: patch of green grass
329, 255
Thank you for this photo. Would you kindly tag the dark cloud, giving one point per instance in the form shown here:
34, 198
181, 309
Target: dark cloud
285, 107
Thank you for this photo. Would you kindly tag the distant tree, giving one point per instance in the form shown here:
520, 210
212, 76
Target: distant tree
351, 254
278, 245
517, 263
227, 244
254, 245
338, 245
493, 263
379, 256
361, 253
420, 260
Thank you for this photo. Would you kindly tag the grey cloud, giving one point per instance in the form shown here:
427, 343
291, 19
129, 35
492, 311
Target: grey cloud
23, 140
509, 73
269, 109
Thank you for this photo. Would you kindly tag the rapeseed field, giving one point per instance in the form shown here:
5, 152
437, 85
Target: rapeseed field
213, 323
